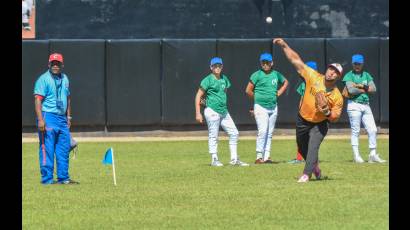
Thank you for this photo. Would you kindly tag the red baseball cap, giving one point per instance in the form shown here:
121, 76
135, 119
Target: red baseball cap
55, 57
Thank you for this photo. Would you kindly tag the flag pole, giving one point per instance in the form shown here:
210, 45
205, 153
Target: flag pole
113, 167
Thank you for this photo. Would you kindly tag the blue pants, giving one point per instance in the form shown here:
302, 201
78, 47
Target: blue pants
54, 140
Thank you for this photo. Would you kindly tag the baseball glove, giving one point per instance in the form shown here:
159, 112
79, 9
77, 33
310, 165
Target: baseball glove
321, 103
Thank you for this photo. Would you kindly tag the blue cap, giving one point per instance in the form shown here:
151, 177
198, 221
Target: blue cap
216, 60
312, 64
265, 57
358, 58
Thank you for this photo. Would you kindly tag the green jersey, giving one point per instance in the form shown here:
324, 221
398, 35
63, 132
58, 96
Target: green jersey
364, 78
266, 87
301, 88
216, 92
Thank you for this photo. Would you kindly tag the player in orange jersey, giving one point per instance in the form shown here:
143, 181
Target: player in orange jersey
313, 123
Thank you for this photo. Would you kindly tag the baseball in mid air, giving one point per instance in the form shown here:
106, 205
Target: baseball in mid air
269, 20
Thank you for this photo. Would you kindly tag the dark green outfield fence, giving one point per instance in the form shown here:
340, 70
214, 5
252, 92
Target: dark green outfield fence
141, 84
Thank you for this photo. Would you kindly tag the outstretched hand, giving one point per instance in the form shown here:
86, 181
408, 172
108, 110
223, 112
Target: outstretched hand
279, 41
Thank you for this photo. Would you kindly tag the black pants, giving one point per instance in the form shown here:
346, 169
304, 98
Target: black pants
309, 136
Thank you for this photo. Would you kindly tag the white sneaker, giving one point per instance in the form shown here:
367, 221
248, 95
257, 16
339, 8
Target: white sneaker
375, 159
216, 163
303, 179
238, 163
358, 159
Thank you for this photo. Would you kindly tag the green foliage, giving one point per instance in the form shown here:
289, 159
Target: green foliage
163, 185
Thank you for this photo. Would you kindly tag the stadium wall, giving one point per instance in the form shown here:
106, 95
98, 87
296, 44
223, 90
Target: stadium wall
143, 84
130, 19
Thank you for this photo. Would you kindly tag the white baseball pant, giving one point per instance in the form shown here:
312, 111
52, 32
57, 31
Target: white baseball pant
265, 121
361, 113
214, 120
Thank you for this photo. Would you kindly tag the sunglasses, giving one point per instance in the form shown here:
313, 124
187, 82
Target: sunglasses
356, 63
57, 63
217, 66
265, 62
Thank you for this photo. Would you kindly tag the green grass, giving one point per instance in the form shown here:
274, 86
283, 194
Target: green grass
170, 185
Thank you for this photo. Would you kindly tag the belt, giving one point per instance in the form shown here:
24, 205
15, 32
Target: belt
360, 102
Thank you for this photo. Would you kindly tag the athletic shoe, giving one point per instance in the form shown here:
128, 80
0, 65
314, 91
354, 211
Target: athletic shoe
303, 179
358, 159
295, 161
375, 159
259, 161
216, 163
69, 181
238, 163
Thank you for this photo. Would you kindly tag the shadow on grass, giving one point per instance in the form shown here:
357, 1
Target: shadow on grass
299, 163
325, 178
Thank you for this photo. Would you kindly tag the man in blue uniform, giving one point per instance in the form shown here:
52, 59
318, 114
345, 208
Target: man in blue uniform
53, 111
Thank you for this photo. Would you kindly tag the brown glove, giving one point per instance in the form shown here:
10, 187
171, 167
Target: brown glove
322, 103
359, 86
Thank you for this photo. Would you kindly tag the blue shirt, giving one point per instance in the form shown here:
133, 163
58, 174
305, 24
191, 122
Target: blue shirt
53, 88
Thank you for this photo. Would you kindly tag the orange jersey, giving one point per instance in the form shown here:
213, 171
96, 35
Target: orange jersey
314, 84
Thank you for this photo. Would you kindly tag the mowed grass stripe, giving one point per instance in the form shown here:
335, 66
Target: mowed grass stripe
171, 185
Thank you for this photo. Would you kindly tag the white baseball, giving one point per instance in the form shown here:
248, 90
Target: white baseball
268, 19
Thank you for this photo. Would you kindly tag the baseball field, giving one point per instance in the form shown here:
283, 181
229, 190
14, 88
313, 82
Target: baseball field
169, 184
